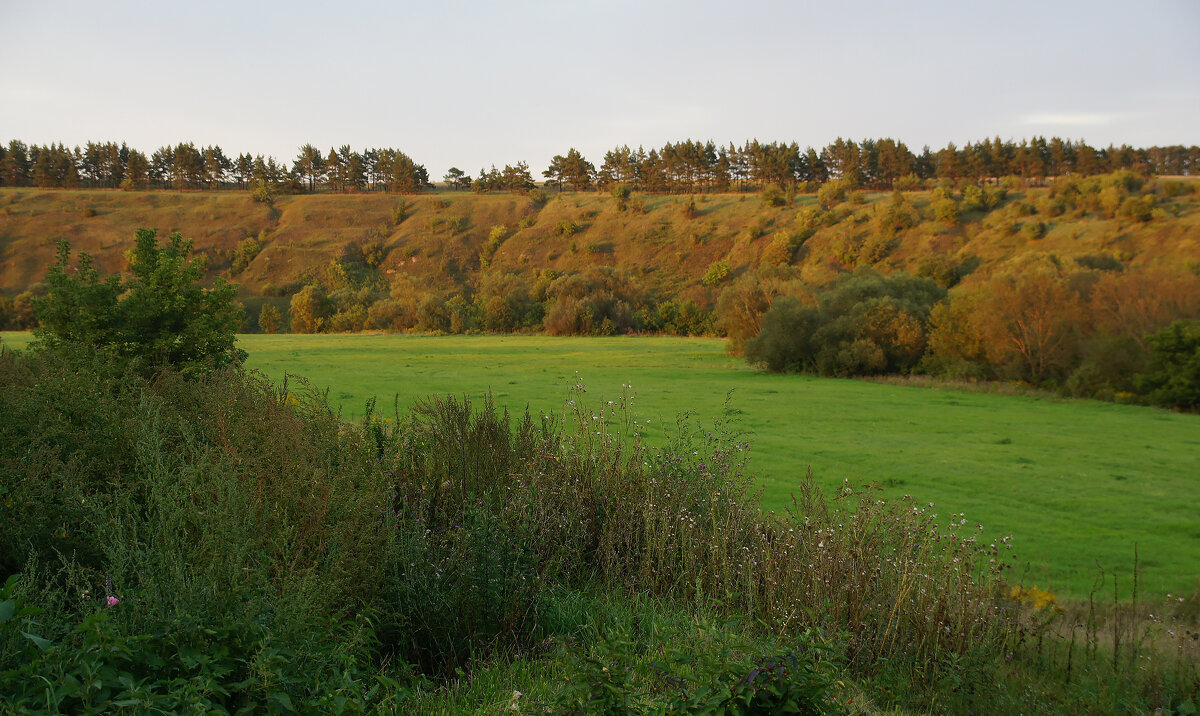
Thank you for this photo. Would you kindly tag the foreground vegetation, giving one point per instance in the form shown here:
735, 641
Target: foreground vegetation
170, 543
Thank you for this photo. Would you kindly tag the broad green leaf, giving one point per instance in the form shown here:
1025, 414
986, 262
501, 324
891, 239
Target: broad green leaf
41, 643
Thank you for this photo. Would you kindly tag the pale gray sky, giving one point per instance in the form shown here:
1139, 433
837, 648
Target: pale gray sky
476, 83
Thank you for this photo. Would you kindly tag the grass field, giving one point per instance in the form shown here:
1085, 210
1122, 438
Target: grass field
1075, 483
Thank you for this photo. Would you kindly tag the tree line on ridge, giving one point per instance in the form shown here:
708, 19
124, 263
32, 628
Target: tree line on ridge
687, 166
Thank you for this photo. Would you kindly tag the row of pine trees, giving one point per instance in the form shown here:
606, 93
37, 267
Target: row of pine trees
188, 167
683, 167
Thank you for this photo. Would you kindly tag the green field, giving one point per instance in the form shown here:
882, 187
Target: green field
1073, 482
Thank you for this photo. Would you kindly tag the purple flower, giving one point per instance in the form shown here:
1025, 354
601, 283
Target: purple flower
112, 601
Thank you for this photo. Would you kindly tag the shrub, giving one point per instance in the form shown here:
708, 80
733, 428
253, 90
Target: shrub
939, 268
1138, 208
1033, 230
567, 227
875, 249
863, 324
270, 320
773, 196
945, 209
262, 193
158, 315
782, 249
689, 210
973, 199
236, 523
895, 218
310, 309
717, 272
1173, 369
831, 194
679, 317
247, 249
496, 236
785, 341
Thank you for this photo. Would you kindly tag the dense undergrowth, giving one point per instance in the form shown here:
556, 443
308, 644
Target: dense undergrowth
222, 543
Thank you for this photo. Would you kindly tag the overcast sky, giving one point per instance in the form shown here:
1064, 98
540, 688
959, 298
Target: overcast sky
472, 84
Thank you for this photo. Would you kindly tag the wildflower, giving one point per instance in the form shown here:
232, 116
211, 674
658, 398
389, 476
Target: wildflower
112, 601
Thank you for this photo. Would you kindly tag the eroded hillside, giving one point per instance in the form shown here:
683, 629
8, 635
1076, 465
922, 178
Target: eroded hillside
442, 241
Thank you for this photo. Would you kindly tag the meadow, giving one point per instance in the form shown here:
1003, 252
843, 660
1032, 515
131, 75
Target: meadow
1076, 484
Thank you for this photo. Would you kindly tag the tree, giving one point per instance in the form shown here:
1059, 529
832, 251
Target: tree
310, 309
785, 341
1028, 323
335, 168
15, 169
740, 310
572, 170
137, 172
309, 165
157, 316
456, 178
402, 174
863, 324
270, 320
1173, 373
517, 178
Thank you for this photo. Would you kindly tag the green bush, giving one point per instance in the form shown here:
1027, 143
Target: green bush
945, 209
1172, 375
567, 227
773, 196
710, 668
247, 249
939, 268
188, 665
262, 193
717, 272
863, 324
1033, 230
785, 341
1138, 208
831, 194
895, 218
157, 316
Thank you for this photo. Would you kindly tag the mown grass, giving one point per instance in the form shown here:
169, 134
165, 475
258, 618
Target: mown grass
1075, 483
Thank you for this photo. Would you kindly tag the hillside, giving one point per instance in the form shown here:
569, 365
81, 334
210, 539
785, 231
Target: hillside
666, 243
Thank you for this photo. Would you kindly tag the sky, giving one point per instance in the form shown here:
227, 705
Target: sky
472, 84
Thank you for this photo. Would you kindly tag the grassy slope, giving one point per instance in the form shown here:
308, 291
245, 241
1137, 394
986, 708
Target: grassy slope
664, 248
1075, 482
